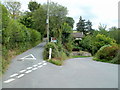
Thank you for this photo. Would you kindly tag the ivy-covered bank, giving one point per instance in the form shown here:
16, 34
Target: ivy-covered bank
16, 38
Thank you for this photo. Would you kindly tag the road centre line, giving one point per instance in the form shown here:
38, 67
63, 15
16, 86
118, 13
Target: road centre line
21, 75
28, 71
44, 63
40, 66
9, 80
22, 71
29, 68
35, 65
34, 68
14, 75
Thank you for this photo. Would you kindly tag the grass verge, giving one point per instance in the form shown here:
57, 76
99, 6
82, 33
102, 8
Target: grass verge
80, 56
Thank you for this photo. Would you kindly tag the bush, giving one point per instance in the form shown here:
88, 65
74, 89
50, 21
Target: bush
35, 35
55, 52
107, 52
116, 60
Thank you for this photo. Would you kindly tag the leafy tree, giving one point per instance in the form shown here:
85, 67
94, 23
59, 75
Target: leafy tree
33, 5
114, 33
57, 15
70, 21
14, 8
5, 18
39, 17
27, 20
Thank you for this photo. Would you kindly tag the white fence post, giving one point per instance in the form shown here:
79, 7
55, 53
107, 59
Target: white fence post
50, 52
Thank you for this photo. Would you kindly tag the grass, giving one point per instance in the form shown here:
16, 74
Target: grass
80, 56
56, 62
101, 60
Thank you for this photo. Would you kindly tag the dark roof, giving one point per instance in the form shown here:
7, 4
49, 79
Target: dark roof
77, 35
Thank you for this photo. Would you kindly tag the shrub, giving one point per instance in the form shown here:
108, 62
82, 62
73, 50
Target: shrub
55, 52
116, 60
35, 35
107, 52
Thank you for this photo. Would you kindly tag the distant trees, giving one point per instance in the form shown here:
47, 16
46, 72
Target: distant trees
14, 8
32, 6
84, 26
70, 21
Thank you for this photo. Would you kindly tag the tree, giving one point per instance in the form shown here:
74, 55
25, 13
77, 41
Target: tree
5, 18
39, 18
70, 21
32, 6
14, 8
88, 26
27, 20
81, 25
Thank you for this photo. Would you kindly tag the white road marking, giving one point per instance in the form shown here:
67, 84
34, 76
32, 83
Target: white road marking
22, 71
28, 71
21, 75
44, 63
40, 66
35, 65
9, 80
14, 75
29, 68
39, 63
26, 57
34, 68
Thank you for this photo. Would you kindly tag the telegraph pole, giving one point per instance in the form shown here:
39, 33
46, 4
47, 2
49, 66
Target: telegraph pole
47, 21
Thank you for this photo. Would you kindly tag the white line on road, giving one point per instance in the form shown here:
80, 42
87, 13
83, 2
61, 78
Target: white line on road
29, 68
44, 63
34, 68
39, 63
28, 71
22, 71
9, 80
35, 65
14, 75
21, 75
40, 66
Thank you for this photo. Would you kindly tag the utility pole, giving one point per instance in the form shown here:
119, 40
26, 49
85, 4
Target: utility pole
47, 21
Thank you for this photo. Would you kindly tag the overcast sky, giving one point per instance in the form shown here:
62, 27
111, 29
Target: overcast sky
97, 11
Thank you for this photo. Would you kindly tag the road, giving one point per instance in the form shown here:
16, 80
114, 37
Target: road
75, 73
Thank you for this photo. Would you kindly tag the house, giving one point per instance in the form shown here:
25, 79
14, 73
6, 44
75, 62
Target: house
78, 36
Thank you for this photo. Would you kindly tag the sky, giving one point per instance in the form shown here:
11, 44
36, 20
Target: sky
97, 11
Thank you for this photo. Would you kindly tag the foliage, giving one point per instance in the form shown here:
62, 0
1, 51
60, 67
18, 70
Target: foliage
55, 52
5, 18
27, 20
70, 21
101, 40
57, 15
39, 22
32, 6
14, 8
107, 52
35, 36
116, 60
84, 26
114, 33
56, 62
